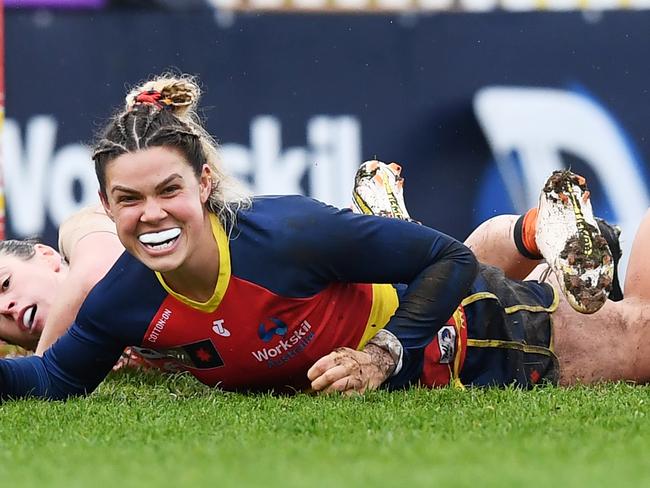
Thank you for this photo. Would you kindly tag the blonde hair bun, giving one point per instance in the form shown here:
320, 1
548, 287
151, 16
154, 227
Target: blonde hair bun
180, 93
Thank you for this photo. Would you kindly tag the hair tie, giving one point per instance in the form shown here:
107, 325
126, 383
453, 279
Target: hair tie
152, 97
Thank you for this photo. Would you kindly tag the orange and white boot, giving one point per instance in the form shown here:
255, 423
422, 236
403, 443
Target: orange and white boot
379, 190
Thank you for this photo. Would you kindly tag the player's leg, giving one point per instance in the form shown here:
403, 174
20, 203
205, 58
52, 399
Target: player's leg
563, 229
494, 243
607, 345
637, 279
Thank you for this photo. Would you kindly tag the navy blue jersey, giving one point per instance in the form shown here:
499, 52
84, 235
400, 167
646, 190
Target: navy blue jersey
297, 278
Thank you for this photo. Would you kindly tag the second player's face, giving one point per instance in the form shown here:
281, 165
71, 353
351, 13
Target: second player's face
27, 290
158, 205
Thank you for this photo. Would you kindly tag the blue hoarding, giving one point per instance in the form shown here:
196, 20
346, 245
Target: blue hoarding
477, 108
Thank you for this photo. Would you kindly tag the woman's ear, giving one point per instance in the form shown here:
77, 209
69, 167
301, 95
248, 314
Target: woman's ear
104, 200
48, 255
205, 183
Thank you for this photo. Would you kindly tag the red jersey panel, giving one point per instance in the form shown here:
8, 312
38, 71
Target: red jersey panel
232, 348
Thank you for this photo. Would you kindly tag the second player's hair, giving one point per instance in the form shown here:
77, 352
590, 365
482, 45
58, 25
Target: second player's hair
23, 249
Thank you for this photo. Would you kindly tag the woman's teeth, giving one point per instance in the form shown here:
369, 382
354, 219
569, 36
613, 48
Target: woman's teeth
28, 317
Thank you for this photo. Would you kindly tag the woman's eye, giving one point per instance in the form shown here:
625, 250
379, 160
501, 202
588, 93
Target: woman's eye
170, 189
5, 284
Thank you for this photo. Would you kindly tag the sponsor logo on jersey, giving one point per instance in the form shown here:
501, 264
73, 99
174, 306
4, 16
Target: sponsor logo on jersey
447, 344
289, 345
278, 328
160, 325
219, 329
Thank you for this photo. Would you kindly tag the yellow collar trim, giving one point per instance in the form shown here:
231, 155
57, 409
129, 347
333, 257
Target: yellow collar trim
213, 302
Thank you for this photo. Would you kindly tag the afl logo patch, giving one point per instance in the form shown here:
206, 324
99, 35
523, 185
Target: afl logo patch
447, 344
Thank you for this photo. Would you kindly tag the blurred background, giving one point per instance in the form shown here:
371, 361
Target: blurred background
479, 100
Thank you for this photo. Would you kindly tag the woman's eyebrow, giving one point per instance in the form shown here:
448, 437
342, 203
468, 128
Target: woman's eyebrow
168, 180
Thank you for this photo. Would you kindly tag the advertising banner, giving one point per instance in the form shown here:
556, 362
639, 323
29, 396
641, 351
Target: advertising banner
477, 108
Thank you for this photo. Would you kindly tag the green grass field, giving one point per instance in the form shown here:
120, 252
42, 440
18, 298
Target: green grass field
160, 431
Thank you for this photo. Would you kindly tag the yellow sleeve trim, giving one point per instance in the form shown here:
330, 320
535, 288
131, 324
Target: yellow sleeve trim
221, 240
384, 304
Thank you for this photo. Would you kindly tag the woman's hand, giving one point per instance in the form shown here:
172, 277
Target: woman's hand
350, 371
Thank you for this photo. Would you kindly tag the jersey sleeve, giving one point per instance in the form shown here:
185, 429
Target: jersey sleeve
437, 269
73, 366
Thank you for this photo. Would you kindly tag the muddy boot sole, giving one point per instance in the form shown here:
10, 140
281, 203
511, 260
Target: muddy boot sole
572, 244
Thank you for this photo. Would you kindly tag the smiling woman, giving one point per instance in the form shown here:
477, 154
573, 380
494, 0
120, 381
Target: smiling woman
161, 220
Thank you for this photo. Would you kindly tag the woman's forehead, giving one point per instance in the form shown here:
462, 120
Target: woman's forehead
152, 155
150, 164
11, 261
